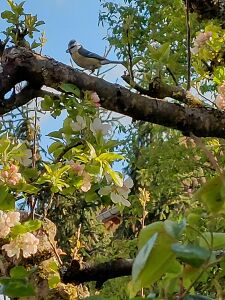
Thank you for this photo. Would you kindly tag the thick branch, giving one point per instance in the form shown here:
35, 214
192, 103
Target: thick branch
22, 64
99, 273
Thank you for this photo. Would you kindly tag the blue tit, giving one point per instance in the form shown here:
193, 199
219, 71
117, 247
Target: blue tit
86, 59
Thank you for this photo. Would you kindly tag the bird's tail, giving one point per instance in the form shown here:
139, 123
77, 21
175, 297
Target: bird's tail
113, 62
117, 62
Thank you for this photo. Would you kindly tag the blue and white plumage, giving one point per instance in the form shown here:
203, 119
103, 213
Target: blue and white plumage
87, 59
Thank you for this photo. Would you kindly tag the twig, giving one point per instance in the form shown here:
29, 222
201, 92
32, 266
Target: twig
76, 248
188, 46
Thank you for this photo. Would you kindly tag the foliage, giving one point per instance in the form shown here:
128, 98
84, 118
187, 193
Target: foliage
175, 213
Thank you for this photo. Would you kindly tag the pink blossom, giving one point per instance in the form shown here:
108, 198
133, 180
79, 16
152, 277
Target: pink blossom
221, 89
200, 41
95, 98
77, 168
8, 220
12, 218
86, 182
220, 99
11, 175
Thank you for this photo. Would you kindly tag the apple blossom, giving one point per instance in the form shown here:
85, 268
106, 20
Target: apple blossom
220, 99
86, 182
95, 98
11, 175
98, 127
8, 220
27, 243
26, 159
200, 41
79, 169
118, 194
79, 125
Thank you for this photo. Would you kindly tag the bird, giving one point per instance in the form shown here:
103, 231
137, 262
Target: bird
86, 59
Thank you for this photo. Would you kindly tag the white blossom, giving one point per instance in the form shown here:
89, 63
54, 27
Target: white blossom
118, 194
98, 127
79, 125
27, 243
26, 159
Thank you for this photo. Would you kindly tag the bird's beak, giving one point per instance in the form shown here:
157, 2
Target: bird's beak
68, 50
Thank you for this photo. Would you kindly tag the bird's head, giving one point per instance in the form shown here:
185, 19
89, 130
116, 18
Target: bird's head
73, 46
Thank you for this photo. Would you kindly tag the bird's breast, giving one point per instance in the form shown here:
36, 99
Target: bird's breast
85, 62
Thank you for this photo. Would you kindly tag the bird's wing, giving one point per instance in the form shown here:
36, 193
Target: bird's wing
84, 52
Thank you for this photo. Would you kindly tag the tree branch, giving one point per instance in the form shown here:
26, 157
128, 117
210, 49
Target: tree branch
99, 273
22, 64
158, 89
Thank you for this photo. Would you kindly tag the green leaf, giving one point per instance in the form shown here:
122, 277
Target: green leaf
7, 14
55, 147
175, 229
53, 266
4, 145
18, 229
193, 255
53, 281
96, 298
4, 205
19, 272
48, 168
55, 134
28, 226
212, 195
142, 257
35, 45
147, 232
47, 103
67, 129
39, 23
160, 260
70, 88
109, 157
27, 188
92, 150
17, 288
217, 239
32, 225
91, 196
116, 176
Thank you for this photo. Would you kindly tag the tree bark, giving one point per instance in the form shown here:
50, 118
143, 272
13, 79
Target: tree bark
21, 64
98, 272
